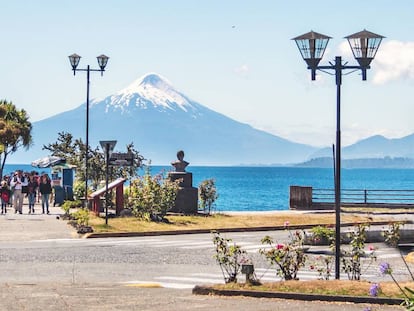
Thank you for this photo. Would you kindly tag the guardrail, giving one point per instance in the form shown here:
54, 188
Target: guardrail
364, 196
320, 198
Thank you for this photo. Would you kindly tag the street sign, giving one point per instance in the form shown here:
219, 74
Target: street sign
121, 159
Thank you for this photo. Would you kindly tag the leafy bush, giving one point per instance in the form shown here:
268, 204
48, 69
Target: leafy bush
351, 259
82, 217
288, 258
322, 233
152, 195
207, 193
79, 189
229, 257
68, 205
392, 235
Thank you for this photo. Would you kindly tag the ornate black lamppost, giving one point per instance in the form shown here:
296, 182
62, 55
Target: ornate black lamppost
74, 61
364, 45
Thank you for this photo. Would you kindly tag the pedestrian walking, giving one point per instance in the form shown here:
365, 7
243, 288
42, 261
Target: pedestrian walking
5, 196
31, 192
45, 189
8, 178
17, 183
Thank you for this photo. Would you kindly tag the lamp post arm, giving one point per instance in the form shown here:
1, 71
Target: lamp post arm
88, 69
341, 67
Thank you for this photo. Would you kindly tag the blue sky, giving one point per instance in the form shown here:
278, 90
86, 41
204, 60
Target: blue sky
235, 57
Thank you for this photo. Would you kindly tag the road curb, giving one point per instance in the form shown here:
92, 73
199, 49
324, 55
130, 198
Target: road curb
206, 290
201, 231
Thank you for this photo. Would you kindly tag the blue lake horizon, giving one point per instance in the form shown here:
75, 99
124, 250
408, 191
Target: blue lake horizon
266, 188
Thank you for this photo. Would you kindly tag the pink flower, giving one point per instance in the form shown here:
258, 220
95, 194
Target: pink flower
371, 248
280, 246
286, 223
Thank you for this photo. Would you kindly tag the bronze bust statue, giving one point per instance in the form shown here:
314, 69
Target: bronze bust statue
180, 164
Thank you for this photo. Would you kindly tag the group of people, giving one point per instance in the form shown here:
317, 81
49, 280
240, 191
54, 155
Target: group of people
15, 187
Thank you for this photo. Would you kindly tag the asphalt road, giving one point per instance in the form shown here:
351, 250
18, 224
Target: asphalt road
45, 266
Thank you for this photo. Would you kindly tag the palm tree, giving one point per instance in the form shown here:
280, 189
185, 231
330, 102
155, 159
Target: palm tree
15, 131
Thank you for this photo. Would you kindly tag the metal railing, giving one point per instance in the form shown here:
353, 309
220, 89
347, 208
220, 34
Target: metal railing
364, 196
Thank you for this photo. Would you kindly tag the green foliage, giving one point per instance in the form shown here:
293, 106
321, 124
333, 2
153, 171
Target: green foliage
323, 266
229, 257
392, 235
320, 233
68, 205
82, 216
207, 193
79, 189
351, 259
152, 195
74, 150
15, 130
288, 258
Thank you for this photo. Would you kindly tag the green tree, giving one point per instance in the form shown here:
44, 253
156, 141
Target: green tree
208, 195
15, 131
73, 150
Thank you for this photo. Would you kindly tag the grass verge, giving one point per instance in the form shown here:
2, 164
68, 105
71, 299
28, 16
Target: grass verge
220, 221
322, 287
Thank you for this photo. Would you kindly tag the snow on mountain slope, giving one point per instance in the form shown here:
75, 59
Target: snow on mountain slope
149, 90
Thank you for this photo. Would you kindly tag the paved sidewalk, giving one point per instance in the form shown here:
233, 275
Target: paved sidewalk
106, 297
37, 226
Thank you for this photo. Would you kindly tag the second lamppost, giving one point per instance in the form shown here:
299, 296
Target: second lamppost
102, 62
364, 45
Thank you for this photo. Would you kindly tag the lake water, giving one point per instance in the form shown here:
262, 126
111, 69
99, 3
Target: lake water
267, 188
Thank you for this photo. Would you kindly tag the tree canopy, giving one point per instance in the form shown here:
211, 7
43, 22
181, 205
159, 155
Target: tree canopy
73, 150
15, 131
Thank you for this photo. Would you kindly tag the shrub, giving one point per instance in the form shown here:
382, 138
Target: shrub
151, 196
322, 234
392, 235
229, 257
68, 205
82, 217
288, 258
207, 193
351, 260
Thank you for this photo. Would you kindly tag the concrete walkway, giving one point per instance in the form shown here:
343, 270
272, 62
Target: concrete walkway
37, 226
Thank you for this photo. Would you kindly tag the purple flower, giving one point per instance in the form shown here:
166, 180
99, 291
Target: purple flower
385, 268
374, 290
368, 309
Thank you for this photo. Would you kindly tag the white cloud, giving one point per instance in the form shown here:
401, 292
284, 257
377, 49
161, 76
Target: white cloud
242, 70
395, 60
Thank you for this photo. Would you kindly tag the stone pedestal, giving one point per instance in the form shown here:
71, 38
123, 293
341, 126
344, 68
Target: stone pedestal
187, 196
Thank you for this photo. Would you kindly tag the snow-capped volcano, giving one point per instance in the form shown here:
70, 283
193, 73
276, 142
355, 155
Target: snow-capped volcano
151, 89
160, 120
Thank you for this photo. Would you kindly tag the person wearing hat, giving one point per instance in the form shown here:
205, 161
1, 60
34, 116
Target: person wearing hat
17, 183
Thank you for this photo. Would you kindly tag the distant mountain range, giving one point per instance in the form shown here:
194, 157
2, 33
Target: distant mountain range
160, 120
387, 162
374, 147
